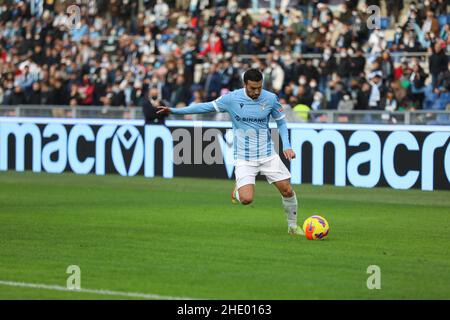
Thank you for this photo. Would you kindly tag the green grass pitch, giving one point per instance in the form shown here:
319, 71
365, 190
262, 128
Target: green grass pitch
184, 238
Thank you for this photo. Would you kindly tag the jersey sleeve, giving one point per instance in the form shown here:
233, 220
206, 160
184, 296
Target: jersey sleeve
222, 104
277, 110
196, 108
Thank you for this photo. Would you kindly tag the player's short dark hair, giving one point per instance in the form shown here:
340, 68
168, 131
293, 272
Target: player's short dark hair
253, 75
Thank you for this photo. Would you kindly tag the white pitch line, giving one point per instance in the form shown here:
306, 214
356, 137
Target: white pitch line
93, 291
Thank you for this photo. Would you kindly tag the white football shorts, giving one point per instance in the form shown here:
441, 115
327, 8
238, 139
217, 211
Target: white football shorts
272, 167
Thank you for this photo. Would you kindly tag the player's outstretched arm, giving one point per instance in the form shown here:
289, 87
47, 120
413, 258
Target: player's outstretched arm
196, 108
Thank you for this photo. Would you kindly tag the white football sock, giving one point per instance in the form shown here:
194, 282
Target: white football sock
290, 206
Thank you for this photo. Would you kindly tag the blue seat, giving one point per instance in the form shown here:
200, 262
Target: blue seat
385, 22
443, 19
441, 119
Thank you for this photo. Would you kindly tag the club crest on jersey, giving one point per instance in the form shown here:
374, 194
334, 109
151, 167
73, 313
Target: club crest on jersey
263, 106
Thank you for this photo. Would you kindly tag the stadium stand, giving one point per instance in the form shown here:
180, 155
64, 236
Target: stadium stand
317, 55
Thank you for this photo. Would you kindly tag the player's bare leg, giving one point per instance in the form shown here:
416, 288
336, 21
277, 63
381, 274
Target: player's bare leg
244, 195
290, 205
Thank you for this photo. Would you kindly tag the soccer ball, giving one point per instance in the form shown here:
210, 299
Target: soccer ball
316, 228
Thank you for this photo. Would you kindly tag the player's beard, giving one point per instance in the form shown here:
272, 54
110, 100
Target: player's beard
252, 96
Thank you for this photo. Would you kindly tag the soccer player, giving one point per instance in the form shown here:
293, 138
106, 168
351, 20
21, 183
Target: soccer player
250, 109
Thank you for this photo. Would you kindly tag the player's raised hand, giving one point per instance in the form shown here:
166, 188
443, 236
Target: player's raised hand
289, 154
163, 110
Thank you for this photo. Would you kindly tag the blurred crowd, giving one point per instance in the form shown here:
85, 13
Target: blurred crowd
316, 55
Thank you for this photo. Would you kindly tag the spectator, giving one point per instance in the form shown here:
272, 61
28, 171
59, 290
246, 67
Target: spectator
327, 66
25, 79
344, 68
149, 105
363, 96
431, 24
417, 80
161, 11
346, 104
318, 102
181, 94
86, 91
445, 31
377, 41
444, 79
438, 62
304, 96
375, 79
394, 7
213, 46
154, 48
35, 97
274, 77
442, 101
18, 96
213, 84
358, 62
389, 103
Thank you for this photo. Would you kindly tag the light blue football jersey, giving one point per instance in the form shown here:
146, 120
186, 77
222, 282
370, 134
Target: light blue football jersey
250, 118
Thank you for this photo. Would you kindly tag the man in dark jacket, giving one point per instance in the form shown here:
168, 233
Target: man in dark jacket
438, 63
149, 105
363, 97
35, 96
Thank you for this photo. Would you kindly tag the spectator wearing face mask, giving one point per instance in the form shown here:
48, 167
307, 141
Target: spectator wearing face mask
313, 86
346, 104
318, 102
375, 79
214, 46
327, 66
275, 76
149, 105
344, 68
140, 49
377, 41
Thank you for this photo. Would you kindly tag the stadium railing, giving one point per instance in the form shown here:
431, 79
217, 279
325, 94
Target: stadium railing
418, 117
